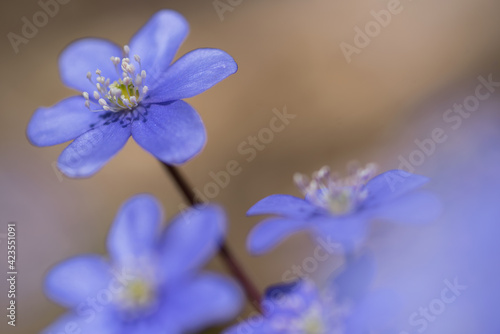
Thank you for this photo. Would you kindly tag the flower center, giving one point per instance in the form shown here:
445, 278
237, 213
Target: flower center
138, 294
312, 323
339, 196
125, 93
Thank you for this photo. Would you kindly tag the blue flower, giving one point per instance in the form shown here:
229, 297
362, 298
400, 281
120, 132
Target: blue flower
344, 306
135, 91
339, 209
151, 281
301, 308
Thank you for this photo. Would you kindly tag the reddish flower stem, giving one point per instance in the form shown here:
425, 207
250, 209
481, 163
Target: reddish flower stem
227, 256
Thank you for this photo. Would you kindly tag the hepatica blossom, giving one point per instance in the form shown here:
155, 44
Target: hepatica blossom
130, 91
344, 306
301, 308
341, 208
296, 308
151, 282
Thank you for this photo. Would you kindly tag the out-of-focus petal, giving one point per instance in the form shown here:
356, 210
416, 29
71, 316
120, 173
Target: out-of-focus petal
71, 282
135, 231
346, 231
206, 300
283, 205
418, 207
89, 321
392, 184
270, 232
191, 239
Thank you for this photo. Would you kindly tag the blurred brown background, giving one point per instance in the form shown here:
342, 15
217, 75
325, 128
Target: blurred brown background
289, 55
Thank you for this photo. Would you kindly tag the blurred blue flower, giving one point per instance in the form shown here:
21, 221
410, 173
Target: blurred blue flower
340, 209
301, 308
344, 306
151, 283
135, 92
293, 308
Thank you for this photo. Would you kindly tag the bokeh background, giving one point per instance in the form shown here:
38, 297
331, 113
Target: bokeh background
393, 92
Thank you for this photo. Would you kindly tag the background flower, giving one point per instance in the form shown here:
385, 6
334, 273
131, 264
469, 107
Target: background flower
151, 282
346, 305
391, 196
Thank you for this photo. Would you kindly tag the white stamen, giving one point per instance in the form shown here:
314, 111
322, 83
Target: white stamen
115, 92
339, 196
138, 80
126, 92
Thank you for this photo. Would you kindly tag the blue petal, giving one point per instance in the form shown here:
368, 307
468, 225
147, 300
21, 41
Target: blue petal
135, 231
270, 232
92, 150
374, 313
256, 325
158, 324
157, 43
57, 124
346, 231
292, 298
419, 207
71, 282
355, 278
392, 184
206, 300
192, 238
87, 55
173, 133
283, 205
192, 74
93, 322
